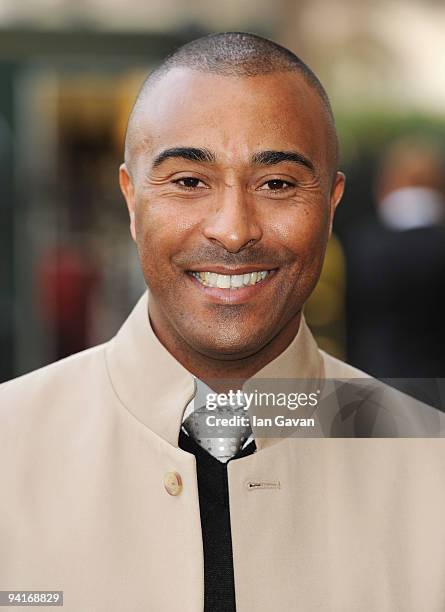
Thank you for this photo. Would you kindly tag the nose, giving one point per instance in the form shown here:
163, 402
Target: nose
233, 225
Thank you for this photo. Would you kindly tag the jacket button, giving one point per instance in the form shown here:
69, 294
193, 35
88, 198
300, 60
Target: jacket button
173, 483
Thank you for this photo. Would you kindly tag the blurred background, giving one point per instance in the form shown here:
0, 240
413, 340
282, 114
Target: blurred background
69, 72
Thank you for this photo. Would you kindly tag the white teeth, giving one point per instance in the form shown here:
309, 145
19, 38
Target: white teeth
223, 281
236, 280
213, 279
230, 281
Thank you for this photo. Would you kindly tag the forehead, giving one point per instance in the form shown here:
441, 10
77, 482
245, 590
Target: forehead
233, 116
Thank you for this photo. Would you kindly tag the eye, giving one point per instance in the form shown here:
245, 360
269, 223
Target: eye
276, 185
190, 183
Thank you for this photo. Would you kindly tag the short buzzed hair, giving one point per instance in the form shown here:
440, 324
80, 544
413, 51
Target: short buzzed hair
234, 54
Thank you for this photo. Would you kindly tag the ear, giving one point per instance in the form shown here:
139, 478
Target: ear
337, 190
127, 188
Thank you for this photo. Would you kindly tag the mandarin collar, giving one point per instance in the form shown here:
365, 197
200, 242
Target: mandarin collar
156, 388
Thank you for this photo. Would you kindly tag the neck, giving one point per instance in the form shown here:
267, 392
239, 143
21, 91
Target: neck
209, 369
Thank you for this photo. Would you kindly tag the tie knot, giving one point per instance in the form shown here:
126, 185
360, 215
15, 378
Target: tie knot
221, 432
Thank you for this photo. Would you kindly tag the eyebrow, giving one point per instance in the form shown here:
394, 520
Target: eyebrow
263, 158
270, 158
189, 153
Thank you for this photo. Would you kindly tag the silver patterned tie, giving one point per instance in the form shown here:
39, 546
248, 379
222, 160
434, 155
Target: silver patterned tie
222, 442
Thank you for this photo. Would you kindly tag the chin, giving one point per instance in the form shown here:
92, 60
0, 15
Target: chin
228, 346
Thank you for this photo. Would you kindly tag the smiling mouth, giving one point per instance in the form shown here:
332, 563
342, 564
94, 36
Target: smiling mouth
231, 281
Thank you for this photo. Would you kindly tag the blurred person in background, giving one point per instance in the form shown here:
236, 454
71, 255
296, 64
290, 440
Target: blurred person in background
396, 268
67, 279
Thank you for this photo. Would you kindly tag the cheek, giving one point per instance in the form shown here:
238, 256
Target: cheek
303, 230
161, 231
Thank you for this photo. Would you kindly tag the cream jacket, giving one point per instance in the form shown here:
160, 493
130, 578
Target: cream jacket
355, 525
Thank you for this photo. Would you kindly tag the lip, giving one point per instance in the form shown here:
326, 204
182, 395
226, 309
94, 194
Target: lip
232, 296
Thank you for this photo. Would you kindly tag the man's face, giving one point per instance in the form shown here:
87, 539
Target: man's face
231, 197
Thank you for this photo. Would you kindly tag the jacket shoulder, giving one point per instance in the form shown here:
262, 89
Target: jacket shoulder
52, 372
55, 388
369, 407
335, 368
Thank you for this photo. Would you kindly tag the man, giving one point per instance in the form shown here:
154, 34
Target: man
404, 257
231, 180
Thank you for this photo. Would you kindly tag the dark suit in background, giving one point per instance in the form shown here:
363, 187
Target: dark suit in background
396, 274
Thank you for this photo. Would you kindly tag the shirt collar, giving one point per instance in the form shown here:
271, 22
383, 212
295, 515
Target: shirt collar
156, 388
